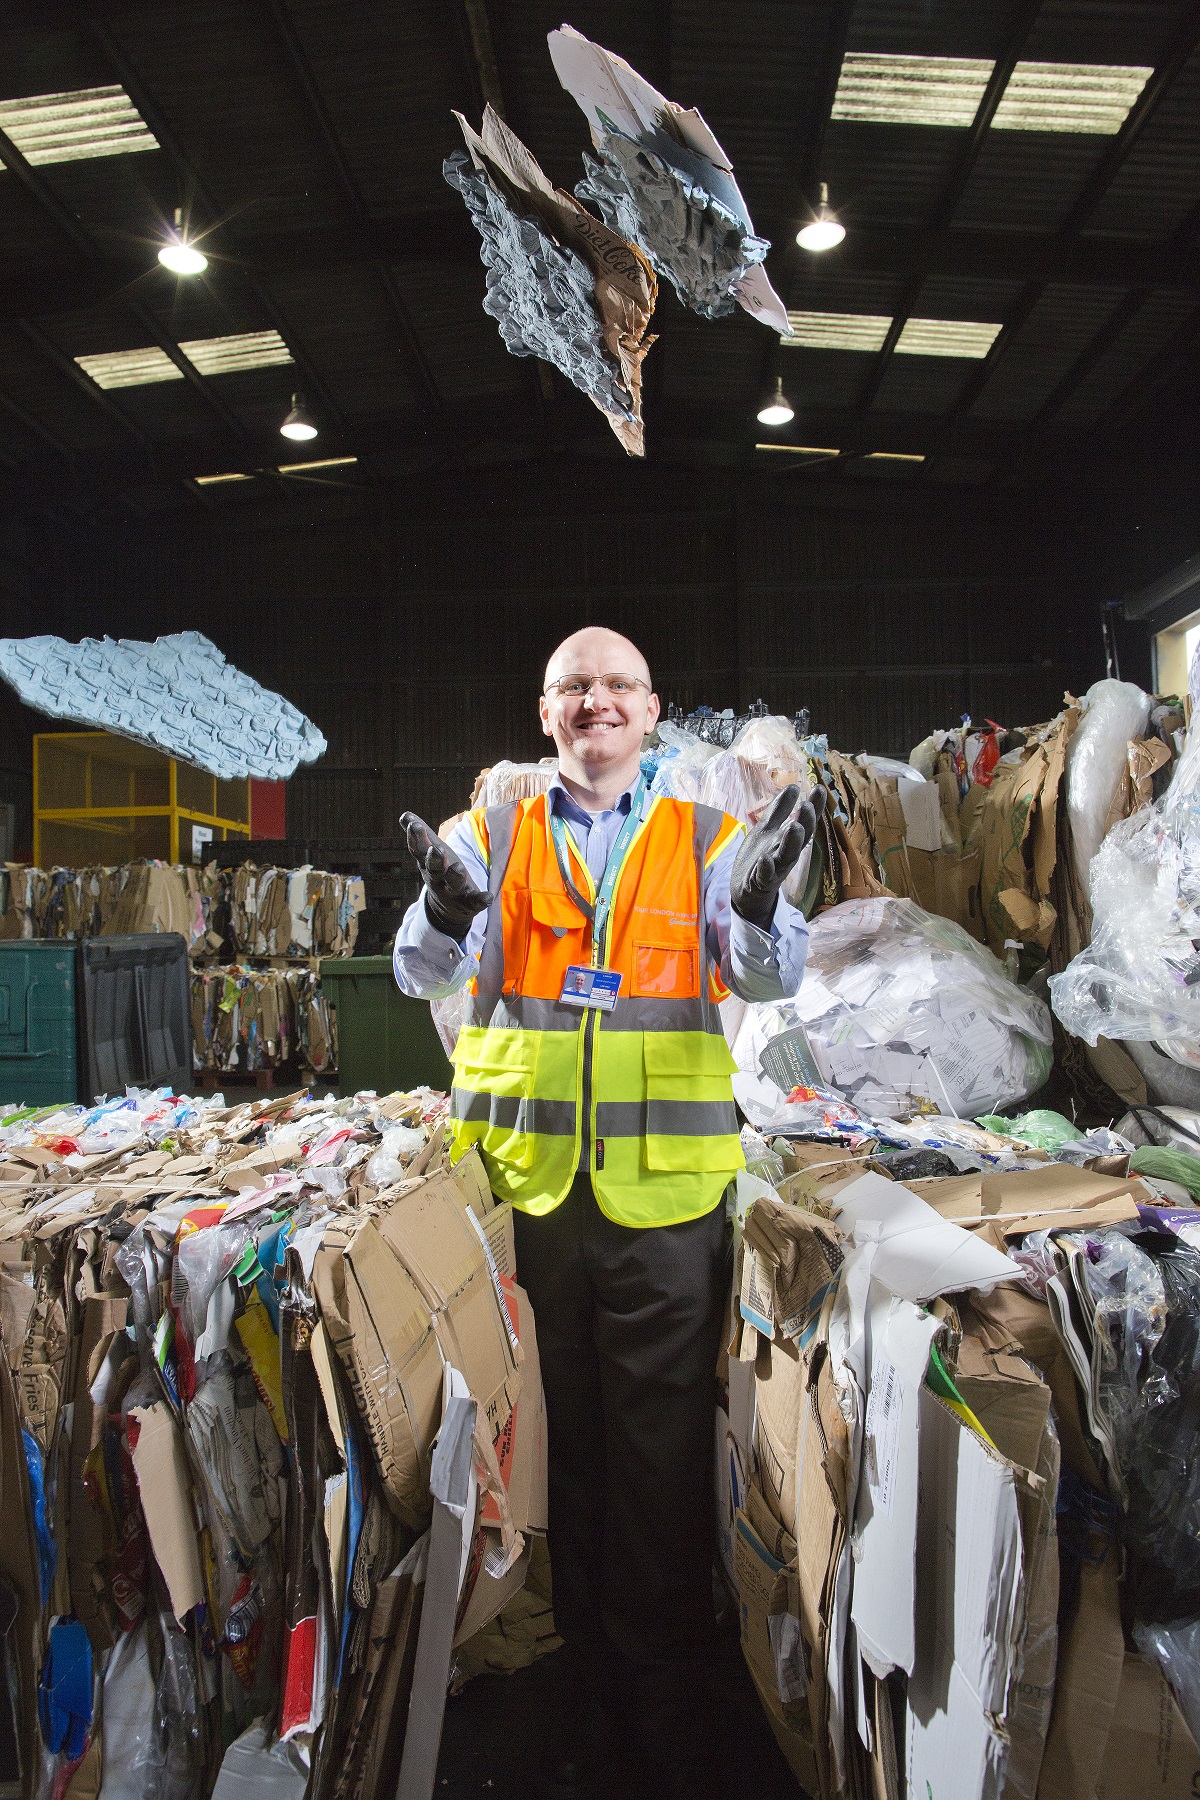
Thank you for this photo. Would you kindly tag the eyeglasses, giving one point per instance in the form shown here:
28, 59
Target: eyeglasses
574, 687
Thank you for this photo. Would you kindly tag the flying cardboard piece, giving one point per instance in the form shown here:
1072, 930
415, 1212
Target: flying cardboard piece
664, 182
560, 283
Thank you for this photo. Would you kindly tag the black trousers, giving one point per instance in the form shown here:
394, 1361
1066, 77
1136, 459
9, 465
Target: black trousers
629, 1323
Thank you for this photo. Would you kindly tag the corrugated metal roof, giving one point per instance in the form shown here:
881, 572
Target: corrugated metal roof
1150, 331
1057, 331
307, 140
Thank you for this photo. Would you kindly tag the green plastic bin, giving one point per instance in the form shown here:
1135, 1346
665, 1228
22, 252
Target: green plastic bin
385, 1040
38, 1034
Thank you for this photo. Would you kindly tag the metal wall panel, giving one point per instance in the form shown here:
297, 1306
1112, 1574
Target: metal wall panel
415, 632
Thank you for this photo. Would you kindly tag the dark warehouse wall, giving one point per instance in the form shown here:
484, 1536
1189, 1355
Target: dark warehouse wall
413, 623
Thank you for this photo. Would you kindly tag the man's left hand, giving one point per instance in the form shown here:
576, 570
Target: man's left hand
771, 851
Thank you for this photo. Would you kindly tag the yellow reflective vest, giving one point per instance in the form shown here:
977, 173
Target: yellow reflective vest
639, 1096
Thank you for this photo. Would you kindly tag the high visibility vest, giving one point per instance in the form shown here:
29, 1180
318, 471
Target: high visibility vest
639, 1096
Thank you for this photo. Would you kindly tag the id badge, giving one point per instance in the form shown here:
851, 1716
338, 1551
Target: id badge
590, 987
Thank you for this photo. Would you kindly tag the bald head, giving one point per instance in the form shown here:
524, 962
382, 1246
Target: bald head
598, 730
597, 651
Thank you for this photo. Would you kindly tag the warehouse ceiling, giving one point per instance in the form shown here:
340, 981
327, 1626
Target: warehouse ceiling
1050, 224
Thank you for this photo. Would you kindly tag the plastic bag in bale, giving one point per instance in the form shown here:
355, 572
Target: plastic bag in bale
1139, 978
900, 1008
676, 767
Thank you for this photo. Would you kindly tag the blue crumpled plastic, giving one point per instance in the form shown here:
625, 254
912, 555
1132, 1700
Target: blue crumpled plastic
46, 1547
65, 1690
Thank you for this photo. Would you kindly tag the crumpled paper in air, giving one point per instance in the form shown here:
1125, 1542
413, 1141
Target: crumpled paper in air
663, 181
561, 284
177, 694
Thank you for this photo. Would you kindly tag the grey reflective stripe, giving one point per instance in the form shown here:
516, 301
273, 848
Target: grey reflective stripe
500, 1010
513, 1112
657, 1015
707, 822
500, 822
666, 1118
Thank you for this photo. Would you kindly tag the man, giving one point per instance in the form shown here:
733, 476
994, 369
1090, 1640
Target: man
597, 928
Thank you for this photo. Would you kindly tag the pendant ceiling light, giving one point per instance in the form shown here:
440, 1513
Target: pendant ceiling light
179, 254
777, 408
299, 425
824, 230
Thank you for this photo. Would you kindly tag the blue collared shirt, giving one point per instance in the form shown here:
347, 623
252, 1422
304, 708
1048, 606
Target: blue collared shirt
754, 964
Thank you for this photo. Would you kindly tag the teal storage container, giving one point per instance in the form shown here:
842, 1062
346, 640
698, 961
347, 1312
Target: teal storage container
385, 1040
38, 1032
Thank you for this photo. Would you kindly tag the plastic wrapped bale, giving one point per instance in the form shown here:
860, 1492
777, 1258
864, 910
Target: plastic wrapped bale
898, 1008
1097, 758
1139, 978
679, 762
506, 782
764, 758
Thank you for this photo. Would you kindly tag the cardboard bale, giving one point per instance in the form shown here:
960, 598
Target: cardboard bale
427, 1231
948, 883
969, 1595
19, 1573
1150, 1753
768, 1612
380, 1327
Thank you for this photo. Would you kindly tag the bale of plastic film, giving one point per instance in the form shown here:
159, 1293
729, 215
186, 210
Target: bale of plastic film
900, 1009
1139, 978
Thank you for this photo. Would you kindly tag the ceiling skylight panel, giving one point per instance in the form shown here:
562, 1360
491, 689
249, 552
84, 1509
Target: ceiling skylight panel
837, 331
946, 337
244, 350
1084, 97
910, 90
129, 368
53, 128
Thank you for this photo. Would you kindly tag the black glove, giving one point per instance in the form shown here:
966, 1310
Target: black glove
771, 851
450, 900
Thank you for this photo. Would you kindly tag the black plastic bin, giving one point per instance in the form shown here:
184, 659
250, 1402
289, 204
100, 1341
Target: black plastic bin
135, 1014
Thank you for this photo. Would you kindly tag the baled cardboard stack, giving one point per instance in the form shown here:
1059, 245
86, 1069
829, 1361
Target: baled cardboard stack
930, 1543
226, 1349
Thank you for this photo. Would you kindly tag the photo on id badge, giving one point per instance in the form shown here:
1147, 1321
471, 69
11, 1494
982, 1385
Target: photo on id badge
585, 987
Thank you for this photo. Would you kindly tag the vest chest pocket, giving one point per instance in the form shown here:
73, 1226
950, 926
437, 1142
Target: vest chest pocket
664, 970
492, 1095
556, 937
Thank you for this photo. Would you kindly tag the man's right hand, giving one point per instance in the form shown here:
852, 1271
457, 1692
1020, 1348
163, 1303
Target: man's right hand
450, 900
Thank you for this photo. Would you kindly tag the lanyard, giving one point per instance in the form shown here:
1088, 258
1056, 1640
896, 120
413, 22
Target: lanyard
598, 913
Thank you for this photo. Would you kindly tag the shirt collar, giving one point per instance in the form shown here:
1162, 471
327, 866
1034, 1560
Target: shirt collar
562, 802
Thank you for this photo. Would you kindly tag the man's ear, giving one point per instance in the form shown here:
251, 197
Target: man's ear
544, 716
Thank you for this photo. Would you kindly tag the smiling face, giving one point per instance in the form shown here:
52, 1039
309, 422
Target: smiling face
598, 734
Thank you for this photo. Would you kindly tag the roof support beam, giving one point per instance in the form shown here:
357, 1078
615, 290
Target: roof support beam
1178, 53
298, 61
104, 40
81, 238
447, 236
956, 185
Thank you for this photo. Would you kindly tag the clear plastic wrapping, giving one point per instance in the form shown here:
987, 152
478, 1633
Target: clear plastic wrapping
1176, 1650
506, 782
1146, 1292
900, 1008
1097, 757
1140, 976
679, 762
